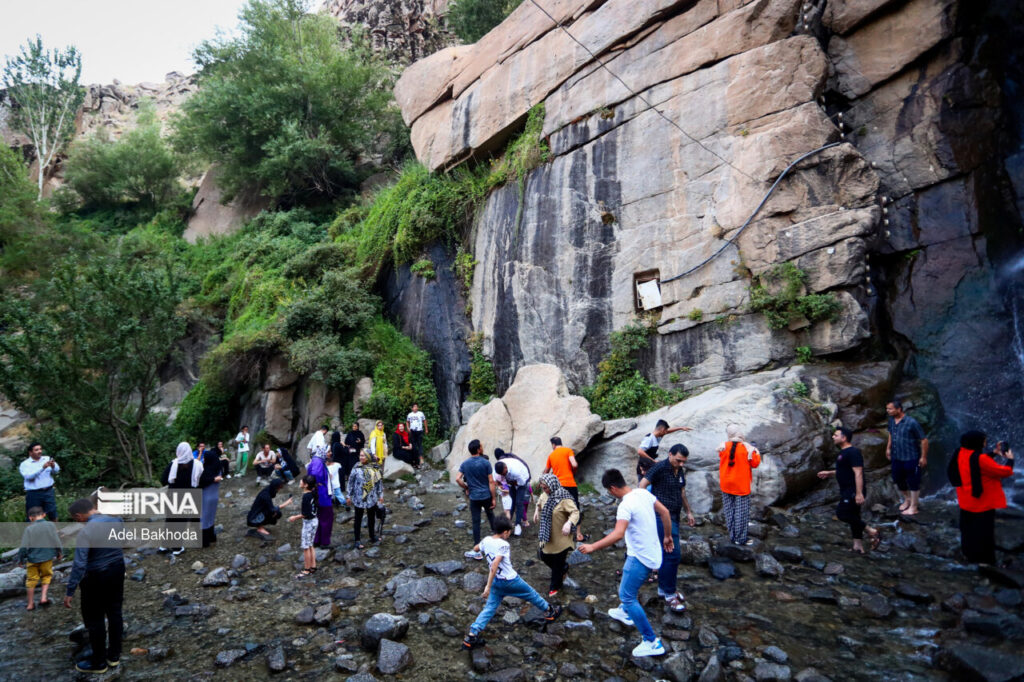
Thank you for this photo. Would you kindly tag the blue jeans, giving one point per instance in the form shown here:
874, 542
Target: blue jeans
634, 575
500, 589
669, 562
520, 501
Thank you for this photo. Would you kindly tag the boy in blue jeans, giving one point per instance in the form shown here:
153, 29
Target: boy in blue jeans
503, 581
636, 520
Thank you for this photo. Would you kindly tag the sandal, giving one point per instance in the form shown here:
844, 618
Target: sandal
302, 574
676, 604
876, 539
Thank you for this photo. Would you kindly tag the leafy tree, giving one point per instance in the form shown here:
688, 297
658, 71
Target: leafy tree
470, 20
44, 90
138, 168
283, 108
22, 218
83, 347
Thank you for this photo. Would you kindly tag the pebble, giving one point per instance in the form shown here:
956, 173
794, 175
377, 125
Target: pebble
345, 664
707, 637
913, 593
383, 626
833, 568
775, 654
445, 567
393, 657
481, 659
768, 566
218, 577
772, 672
876, 605
226, 658
240, 562
304, 616
793, 555
158, 653
276, 661
139, 575
721, 568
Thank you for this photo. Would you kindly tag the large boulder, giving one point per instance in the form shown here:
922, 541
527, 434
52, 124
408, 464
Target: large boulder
785, 412
536, 407
361, 393
396, 468
279, 413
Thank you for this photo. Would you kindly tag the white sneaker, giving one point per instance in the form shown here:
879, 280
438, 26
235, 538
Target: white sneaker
473, 555
619, 614
178, 551
519, 530
645, 648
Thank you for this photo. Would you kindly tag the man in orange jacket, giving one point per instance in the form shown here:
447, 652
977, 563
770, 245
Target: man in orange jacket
736, 462
977, 478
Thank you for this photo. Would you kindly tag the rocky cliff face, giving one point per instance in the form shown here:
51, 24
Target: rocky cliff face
899, 220
403, 30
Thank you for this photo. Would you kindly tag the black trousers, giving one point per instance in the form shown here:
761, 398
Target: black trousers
848, 511
474, 511
371, 522
416, 438
557, 564
102, 596
978, 536
47, 499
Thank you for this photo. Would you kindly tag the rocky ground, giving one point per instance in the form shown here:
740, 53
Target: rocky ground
797, 605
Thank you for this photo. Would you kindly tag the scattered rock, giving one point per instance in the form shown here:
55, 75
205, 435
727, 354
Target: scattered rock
876, 605
325, 613
824, 596
775, 654
712, 671
913, 593
481, 659
833, 568
139, 575
980, 663
767, 566
218, 577
383, 626
429, 590
694, 551
506, 675
772, 672
473, 582
305, 616
721, 568
240, 562
226, 658
393, 657
276, 661
735, 552
445, 567
790, 554
346, 664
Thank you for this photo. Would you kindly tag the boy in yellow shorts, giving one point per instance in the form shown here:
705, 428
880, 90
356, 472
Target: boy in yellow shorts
39, 547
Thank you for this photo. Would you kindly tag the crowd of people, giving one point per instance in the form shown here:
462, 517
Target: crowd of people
348, 472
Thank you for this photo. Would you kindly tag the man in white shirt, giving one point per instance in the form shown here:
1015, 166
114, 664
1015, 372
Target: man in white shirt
647, 453
636, 520
242, 456
416, 424
38, 471
518, 475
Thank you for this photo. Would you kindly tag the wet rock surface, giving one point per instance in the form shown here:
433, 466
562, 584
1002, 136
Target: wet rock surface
893, 614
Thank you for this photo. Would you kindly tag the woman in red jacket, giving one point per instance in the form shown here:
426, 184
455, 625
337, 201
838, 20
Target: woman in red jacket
977, 478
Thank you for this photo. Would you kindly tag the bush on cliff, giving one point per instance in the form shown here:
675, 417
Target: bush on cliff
286, 109
470, 20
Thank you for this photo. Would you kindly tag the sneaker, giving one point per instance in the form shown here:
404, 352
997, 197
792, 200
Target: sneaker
553, 612
114, 662
161, 549
619, 614
675, 604
473, 641
552, 593
87, 667
519, 530
748, 543
178, 551
645, 648
473, 555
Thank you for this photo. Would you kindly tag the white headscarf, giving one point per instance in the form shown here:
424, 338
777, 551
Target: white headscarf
734, 432
183, 455
317, 441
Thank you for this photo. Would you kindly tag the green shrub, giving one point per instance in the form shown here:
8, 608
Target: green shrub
780, 295
205, 411
23, 221
483, 383
424, 268
696, 315
139, 168
284, 108
526, 151
804, 354
470, 20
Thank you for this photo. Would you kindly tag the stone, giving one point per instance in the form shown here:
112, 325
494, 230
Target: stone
445, 567
218, 577
240, 562
439, 453
304, 616
913, 593
469, 408
395, 469
325, 613
393, 657
735, 552
276, 661
139, 575
535, 407
775, 654
680, 667
155, 654
811, 675
429, 590
772, 672
791, 554
712, 672
721, 568
383, 626
279, 413
226, 658
362, 392
506, 675
480, 658
876, 605
694, 551
768, 566
474, 582
833, 568
980, 663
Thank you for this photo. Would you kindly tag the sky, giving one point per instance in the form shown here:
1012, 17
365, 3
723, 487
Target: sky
131, 40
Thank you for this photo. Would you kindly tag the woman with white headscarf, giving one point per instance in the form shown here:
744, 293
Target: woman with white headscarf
183, 472
736, 461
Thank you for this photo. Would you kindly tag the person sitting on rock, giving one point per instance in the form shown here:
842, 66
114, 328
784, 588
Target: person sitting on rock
558, 518
849, 473
736, 461
402, 447
263, 511
264, 464
978, 479
502, 581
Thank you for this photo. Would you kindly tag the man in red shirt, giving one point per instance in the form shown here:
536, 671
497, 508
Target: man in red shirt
562, 463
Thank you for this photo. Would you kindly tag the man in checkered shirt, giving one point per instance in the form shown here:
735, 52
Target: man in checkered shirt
907, 449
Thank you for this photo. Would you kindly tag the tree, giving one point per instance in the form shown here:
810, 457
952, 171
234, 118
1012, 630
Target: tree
45, 95
471, 20
283, 108
139, 168
22, 218
83, 347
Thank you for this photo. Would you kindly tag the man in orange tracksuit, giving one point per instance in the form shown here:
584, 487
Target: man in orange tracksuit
977, 478
737, 459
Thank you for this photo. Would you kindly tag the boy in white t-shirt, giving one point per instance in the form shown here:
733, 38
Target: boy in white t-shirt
503, 581
636, 521
334, 471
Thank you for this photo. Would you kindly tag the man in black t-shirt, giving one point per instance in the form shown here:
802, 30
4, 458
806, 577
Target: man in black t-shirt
849, 474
